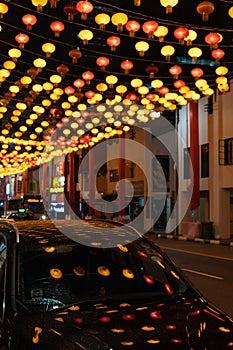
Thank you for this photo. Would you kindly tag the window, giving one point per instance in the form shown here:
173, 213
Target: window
205, 160
228, 143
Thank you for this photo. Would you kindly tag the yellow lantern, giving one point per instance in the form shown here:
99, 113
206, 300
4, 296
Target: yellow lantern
221, 80
44, 123
58, 91
3, 9
142, 47
143, 90
156, 84
25, 80
66, 105
38, 110
111, 80
14, 89
48, 48
46, 103
119, 19
38, 130
221, 70
4, 73
47, 87
85, 35
39, 4
39, 63
230, 12
101, 87
55, 79
161, 32
72, 99
167, 51
14, 119
37, 88
191, 37
21, 106
14, 54
121, 89
201, 83
169, 4
29, 121
23, 128
9, 65
194, 52
136, 83
102, 19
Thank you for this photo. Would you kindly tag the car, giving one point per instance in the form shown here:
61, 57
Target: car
22, 216
98, 285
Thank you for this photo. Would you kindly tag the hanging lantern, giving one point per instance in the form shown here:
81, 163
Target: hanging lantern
121, 89
39, 63
22, 39
57, 27
194, 52
55, 79
119, 20
53, 3
167, 51
221, 70
169, 4
88, 76
102, 19
161, 32
142, 47
39, 4
181, 33
48, 48
14, 54
132, 27
70, 10
156, 84
149, 28
179, 84
137, 2
48, 87
89, 94
205, 8
111, 80
175, 71
217, 54
126, 66
69, 90
113, 42
79, 83
85, 35
75, 55
84, 7
3, 9
29, 21
230, 12
191, 37
9, 65
132, 97
62, 69
212, 39
197, 73
102, 62
152, 70
32, 72
163, 90
102, 87
136, 83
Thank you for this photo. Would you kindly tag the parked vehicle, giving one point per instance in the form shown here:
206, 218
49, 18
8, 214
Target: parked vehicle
59, 294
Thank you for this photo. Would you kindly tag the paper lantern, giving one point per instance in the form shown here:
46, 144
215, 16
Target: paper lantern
205, 8
169, 4
102, 62
167, 51
55, 79
142, 47
88, 76
48, 48
163, 90
32, 72
69, 90
70, 10
102, 19
29, 20
197, 73
181, 33
75, 55
14, 54
151, 69
84, 7
62, 69
179, 84
217, 54
39, 63
195, 52
191, 37
161, 32
119, 20
221, 70
21, 39
113, 42
79, 83
126, 66
230, 12
136, 83
212, 39
85, 35
3, 9
111, 80
175, 71
57, 27
39, 4
132, 27
149, 28
53, 3
156, 84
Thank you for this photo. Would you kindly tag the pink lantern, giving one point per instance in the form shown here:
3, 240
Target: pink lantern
69, 90
163, 90
79, 83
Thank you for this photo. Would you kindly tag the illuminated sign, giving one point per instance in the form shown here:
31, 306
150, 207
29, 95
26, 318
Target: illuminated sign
56, 189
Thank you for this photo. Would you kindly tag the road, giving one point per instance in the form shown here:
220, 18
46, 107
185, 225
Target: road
207, 266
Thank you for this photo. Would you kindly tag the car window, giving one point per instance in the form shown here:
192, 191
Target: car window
74, 272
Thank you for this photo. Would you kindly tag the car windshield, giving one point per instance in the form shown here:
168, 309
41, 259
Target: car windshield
73, 273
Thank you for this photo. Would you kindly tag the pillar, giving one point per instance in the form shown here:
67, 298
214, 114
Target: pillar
121, 171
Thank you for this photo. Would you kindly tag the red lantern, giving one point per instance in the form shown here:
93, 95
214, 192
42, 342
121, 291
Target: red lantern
69, 90
181, 33
175, 71
197, 73
89, 94
212, 39
22, 39
163, 90
179, 84
57, 27
217, 54
152, 70
102, 62
149, 97
70, 10
126, 65
149, 28
88, 76
84, 7
29, 21
132, 27
79, 83
113, 42
132, 97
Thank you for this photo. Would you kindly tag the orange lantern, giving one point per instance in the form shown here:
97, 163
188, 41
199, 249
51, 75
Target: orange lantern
179, 84
29, 21
197, 73
22, 39
88, 76
70, 10
84, 7
137, 2
205, 8
102, 62
132, 27
181, 33
79, 83
126, 65
57, 27
212, 39
152, 70
163, 90
132, 97
32, 72
89, 94
69, 90
175, 71
113, 42
75, 55
149, 28
217, 54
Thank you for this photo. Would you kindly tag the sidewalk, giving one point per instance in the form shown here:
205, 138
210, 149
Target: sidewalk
224, 242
